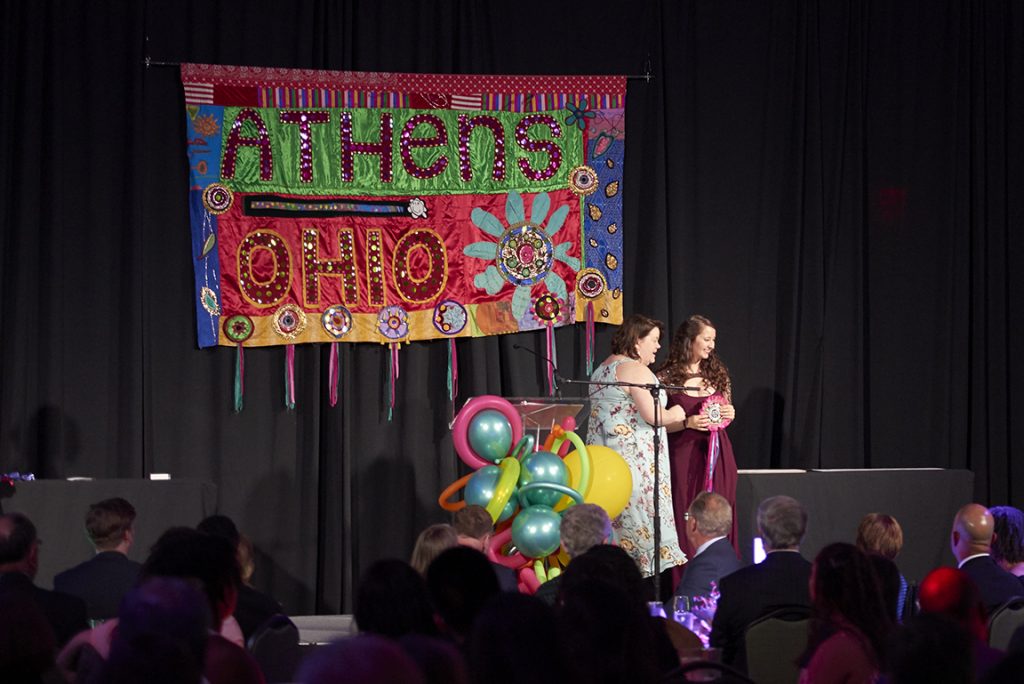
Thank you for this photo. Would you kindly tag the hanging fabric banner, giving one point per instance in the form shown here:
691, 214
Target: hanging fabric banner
375, 207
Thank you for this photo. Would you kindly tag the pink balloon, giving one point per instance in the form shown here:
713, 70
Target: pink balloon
460, 428
528, 578
515, 561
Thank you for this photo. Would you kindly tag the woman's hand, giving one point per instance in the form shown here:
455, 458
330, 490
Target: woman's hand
698, 422
729, 412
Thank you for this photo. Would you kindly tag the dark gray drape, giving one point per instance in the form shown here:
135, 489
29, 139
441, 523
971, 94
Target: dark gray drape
835, 184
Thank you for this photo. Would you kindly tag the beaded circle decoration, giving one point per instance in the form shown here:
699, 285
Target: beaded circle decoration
337, 321
450, 317
217, 198
525, 254
238, 328
209, 299
393, 322
547, 308
590, 283
289, 321
583, 180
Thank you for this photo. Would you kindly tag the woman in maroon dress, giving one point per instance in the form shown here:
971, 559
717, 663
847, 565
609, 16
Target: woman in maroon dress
692, 363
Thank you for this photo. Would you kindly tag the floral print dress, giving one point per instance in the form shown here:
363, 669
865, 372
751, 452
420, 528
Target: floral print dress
615, 422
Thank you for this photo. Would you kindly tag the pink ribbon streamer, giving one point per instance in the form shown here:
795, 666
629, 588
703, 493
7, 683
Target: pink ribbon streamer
289, 389
713, 448
333, 373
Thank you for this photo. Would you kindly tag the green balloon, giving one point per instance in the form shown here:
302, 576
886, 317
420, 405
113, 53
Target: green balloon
535, 531
490, 435
543, 466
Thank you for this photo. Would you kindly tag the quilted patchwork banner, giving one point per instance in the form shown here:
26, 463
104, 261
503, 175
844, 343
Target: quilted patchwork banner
375, 207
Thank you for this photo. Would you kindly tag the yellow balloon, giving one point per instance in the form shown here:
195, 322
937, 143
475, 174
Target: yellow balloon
611, 483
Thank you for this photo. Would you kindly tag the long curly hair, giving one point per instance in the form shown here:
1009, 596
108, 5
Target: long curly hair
711, 369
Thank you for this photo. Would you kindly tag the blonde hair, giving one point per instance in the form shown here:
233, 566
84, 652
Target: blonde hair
429, 545
880, 533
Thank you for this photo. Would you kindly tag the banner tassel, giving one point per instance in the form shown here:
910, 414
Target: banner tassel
393, 371
289, 376
239, 378
590, 338
333, 373
453, 370
549, 335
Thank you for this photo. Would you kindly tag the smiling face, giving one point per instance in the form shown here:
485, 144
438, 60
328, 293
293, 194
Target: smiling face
703, 344
647, 346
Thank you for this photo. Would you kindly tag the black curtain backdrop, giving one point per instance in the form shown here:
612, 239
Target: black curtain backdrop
838, 185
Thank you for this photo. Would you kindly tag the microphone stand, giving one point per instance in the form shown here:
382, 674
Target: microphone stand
655, 388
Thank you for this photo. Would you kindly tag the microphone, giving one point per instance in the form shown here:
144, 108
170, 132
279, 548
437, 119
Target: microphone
554, 368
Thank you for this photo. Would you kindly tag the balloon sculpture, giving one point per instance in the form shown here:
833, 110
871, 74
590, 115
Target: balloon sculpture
524, 489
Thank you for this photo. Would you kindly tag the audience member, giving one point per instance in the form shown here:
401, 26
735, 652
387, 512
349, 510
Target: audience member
162, 634
392, 601
27, 643
952, 594
930, 649
1008, 538
429, 545
583, 526
211, 561
439, 661
460, 582
514, 639
362, 659
105, 578
889, 581
881, 534
19, 563
707, 523
474, 528
971, 542
254, 607
851, 620
780, 581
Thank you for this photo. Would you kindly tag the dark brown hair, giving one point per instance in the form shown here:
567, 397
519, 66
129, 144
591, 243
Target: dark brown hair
107, 521
632, 330
711, 369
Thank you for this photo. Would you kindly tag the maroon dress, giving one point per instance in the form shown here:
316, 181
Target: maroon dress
688, 450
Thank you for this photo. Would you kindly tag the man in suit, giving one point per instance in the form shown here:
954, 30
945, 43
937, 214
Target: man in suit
102, 580
707, 522
971, 542
781, 580
583, 527
474, 527
19, 563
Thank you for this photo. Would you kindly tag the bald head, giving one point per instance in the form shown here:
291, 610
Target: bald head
972, 531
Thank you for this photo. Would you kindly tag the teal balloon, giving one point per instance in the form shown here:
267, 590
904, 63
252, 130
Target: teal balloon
543, 466
480, 490
535, 531
490, 435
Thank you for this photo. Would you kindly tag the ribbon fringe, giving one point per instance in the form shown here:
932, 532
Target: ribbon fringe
239, 378
289, 377
334, 371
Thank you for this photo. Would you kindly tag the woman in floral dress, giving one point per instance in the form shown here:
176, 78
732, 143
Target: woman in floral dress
622, 419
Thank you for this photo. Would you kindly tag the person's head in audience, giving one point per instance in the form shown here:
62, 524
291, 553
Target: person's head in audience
460, 581
972, 532
19, 545
608, 564
362, 659
473, 527
429, 545
514, 639
845, 590
609, 637
881, 534
930, 649
710, 518
161, 634
220, 525
782, 522
187, 553
1008, 538
951, 593
439, 661
583, 527
392, 600
27, 641
109, 524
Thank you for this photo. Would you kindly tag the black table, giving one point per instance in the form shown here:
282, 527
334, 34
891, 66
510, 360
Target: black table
58, 508
924, 501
